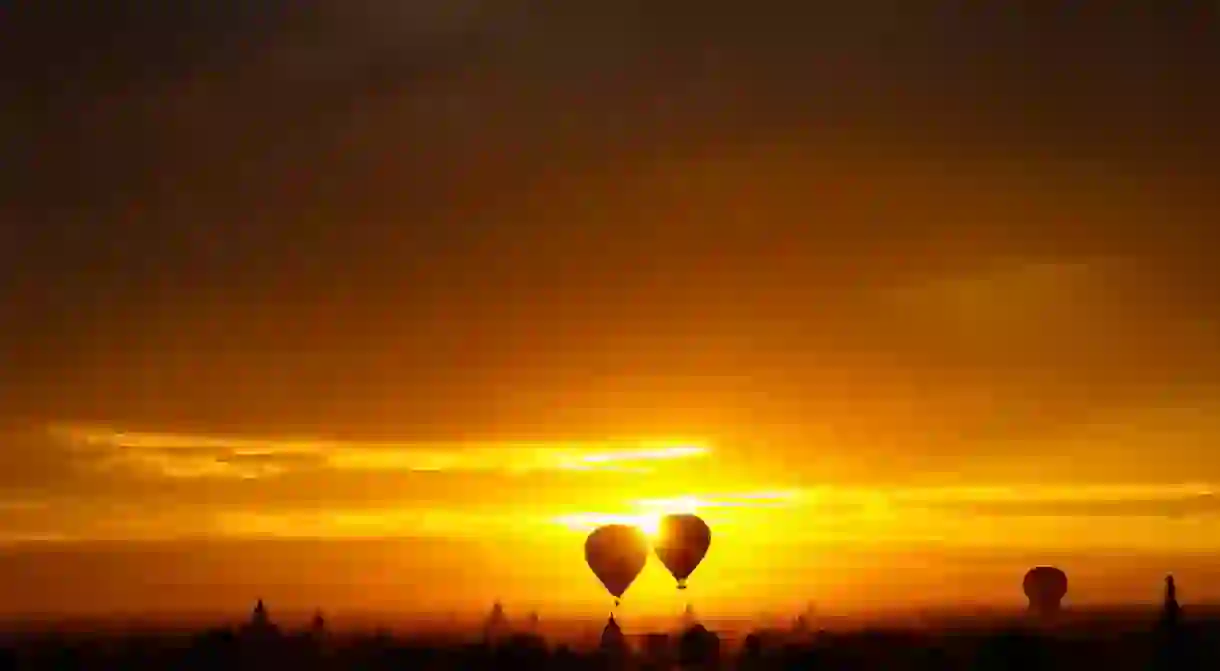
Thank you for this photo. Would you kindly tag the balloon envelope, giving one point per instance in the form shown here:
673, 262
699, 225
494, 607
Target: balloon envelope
683, 541
1045, 586
616, 553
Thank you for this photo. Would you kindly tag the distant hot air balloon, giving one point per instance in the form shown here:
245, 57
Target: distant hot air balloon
682, 542
616, 553
1045, 586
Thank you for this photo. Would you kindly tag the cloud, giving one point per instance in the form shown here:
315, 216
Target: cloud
420, 522
19, 505
1180, 508
1027, 309
96, 483
830, 506
945, 514
198, 456
1166, 501
1031, 500
104, 484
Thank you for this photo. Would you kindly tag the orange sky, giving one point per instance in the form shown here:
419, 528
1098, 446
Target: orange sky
419, 527
380, 305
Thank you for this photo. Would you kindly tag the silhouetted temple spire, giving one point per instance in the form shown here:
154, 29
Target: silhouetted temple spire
689, 619
698, 648
801, 625
1170, 649
1171, 609
612, 636
496, 625
259, 617
497, 616
260, 624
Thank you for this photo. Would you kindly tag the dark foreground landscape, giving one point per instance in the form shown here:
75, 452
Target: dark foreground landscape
1096, 641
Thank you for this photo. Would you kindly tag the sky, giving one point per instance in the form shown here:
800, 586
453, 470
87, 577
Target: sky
339, 302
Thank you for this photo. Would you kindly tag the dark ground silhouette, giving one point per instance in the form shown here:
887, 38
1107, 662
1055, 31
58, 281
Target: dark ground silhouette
1176, 640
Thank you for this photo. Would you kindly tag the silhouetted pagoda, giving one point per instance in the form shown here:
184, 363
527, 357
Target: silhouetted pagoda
698, 648
495, 628
1170, 611
612, 640
689, 619
260, 625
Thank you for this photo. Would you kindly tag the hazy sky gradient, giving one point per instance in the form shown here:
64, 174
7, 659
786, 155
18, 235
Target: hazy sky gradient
873, 254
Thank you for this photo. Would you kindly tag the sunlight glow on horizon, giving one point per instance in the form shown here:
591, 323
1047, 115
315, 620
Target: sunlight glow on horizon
737, 505
648, 521
646, 514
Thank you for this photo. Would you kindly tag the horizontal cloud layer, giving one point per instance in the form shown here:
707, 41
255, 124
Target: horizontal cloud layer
88, 483
186, 456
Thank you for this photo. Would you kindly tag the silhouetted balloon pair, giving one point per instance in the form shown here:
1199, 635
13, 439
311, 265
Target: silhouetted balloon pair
617, 552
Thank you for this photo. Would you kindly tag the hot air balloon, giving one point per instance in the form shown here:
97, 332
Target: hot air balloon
682, 542
616, 553
1045, 586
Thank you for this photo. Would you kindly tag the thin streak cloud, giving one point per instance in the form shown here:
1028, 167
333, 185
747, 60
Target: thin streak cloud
372, 524
1015, 501
197, 456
